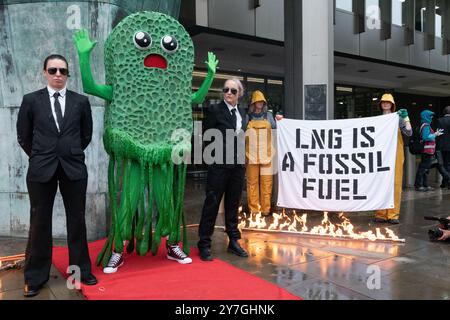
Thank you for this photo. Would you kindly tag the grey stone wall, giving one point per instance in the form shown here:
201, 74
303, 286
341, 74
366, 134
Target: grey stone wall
30, 31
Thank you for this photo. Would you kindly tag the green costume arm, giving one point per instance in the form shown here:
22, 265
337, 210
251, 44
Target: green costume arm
84, 47
200, 95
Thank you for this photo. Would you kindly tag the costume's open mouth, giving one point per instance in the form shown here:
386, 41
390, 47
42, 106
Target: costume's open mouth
155, 61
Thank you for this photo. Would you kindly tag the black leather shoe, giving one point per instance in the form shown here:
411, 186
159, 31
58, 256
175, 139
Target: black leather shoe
89, 280
205, 254
31, 291
235, 248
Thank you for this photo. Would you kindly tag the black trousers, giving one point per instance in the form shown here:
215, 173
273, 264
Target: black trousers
38, 256
422, 170
441, 168
220, 180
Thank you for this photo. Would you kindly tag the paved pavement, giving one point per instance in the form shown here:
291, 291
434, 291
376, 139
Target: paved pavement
312, 268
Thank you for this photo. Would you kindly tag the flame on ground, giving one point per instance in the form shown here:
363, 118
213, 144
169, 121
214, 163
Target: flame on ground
296, 223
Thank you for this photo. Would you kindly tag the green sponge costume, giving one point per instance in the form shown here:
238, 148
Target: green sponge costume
149, 59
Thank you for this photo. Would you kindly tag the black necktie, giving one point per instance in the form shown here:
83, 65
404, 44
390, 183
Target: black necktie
233, 117
59, 116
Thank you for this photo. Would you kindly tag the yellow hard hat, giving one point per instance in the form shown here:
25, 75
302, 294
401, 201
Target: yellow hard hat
387, 97
258, 96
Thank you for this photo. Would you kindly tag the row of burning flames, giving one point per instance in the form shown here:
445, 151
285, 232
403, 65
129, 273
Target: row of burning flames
297, 224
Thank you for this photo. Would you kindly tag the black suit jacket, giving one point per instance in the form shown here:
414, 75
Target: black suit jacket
443, 141
46, 147
218, 117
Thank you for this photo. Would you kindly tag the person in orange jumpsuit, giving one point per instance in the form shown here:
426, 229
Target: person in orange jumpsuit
387, 105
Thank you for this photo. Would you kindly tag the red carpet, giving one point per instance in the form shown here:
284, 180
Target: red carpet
157, 278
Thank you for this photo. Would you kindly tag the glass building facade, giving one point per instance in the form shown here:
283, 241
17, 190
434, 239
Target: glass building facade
346, 5
398, 12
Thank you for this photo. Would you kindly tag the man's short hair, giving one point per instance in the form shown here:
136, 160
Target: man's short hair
447, 110
55, 56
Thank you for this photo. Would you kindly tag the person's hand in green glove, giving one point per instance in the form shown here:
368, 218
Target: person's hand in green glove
212, 62
82, 41
200, 95
403, 113
84, 47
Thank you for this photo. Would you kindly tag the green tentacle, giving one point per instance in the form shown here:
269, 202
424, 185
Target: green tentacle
105, 254
141, 211
149, 230
158, 187
131, 242
118, 239
124, 198
169, 210
140, 228
133, 193
147, 237
178, 205
181, 184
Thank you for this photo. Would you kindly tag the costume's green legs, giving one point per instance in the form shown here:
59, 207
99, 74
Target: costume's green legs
169, 180
178, 216
135, 190
145, 216
106, 252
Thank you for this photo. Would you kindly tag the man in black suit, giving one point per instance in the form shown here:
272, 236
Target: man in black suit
226, 171
54, 126
443, 143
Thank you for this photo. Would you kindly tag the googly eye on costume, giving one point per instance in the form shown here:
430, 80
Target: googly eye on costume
142, 40
169, 44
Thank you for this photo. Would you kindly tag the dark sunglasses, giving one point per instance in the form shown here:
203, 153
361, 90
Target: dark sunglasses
233, 91
53, 71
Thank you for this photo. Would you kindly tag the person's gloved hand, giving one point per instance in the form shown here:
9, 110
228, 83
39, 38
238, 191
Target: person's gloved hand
212, 62
439, 132
403, 113
82, 41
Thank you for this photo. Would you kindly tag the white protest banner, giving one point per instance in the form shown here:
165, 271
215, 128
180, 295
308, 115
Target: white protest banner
337, 165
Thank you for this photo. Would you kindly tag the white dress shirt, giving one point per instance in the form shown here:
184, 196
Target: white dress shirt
238, 116
62, 101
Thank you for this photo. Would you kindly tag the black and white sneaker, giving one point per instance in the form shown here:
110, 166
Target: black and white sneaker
114, 263
175, 253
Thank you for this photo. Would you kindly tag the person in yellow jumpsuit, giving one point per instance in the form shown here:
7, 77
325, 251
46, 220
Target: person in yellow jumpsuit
259, 152
387, 105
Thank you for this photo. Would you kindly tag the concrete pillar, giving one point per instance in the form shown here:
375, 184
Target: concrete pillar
30, 31
293, 70
318, 59
309, 68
